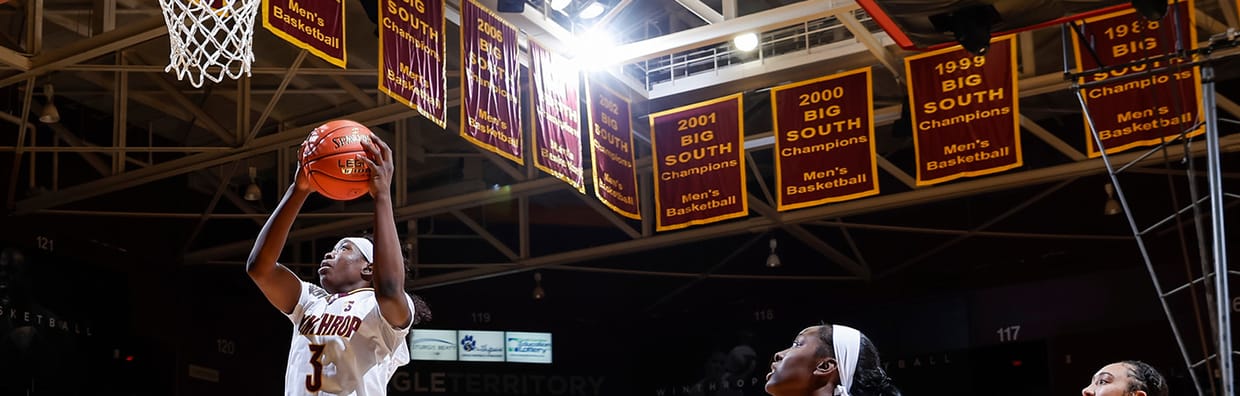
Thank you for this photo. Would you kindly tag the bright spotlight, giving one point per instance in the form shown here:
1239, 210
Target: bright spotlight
591, 48
593, 10
746, 41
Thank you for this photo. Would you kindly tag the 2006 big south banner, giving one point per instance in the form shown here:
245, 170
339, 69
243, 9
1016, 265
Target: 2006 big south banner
965, 112
699, 163
491, 89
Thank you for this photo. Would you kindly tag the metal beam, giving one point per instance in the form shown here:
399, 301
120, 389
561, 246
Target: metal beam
200, 116
867, 205
872, 43
486, 235
701, 10
124, 37
14, 58
1050, 138
809, 239
291, 136
710, 34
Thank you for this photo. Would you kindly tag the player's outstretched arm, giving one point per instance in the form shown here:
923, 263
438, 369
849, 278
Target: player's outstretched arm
389, 265
280, 285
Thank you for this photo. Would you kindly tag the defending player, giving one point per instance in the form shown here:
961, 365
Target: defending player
349, 334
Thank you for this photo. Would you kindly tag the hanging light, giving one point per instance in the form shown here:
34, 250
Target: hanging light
539, 293
1112, 206
252, 192
772, 261
50, 114
559, 5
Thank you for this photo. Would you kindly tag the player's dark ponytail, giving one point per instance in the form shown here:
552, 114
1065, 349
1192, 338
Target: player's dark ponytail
870, 379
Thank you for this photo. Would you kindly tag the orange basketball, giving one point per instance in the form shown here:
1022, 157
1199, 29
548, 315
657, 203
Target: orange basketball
329, 158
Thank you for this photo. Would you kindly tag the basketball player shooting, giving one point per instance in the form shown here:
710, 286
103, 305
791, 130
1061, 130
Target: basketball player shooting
348, 332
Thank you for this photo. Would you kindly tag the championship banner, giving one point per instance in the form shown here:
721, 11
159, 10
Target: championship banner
1141, 111
611, 149
491, 92
824, 140
554, 88
965, 111
317, 26
699, 163
411, 56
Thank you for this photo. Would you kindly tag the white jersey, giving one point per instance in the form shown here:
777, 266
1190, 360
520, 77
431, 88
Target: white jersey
342, 345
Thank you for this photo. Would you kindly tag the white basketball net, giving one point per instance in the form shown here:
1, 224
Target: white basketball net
210, 42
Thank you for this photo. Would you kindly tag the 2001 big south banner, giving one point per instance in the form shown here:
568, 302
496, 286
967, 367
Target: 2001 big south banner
491, 91
411, 51
1130, 112
699, 163
965, 111
824, 140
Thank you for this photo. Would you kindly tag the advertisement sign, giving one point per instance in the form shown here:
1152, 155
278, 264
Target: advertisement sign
480, 346
523, 347
432, 344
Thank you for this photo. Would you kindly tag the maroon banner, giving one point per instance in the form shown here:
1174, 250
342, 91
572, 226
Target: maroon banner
611, 148
965, 111
317, 26
1138, 111
699, 163
824, 140
554, 82
411, 56
491, 95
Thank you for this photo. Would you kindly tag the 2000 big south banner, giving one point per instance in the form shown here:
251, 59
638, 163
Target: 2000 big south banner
1142, 111
491, 89
965, 111
824, 140
699, 163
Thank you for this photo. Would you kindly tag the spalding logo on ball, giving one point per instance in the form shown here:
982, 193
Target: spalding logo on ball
329, 158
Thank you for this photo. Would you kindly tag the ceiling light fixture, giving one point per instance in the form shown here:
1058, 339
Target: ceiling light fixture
539, 293
50, 114
559, 5
592, 10
1112, 206
252, 192
746, 41
772, 261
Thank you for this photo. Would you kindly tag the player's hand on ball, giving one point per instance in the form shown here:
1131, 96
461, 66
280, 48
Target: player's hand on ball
301, 181
379, 158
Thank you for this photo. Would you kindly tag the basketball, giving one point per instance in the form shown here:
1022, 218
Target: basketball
329, 159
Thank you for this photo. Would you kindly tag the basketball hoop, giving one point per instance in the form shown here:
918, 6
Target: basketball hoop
210, 38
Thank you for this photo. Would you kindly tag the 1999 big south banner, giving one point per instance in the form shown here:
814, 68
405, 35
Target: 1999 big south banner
699, 163
965, 112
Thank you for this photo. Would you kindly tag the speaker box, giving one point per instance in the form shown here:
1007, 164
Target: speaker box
511, 6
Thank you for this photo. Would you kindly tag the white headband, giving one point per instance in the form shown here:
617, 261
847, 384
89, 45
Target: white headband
847, 343
363, 245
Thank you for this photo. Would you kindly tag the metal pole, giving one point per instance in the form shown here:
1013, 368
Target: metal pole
1221, 275
1149, 267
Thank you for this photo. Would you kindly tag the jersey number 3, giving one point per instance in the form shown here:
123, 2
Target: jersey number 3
314, 382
